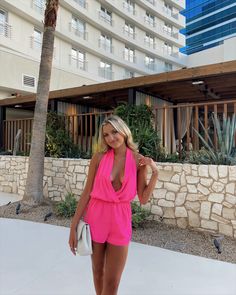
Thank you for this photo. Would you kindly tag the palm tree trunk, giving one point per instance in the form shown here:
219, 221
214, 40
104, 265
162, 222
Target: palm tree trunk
34, 183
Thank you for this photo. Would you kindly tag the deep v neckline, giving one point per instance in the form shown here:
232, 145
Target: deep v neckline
125, 168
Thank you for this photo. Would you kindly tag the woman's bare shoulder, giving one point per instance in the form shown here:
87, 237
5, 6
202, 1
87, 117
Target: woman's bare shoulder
96, 158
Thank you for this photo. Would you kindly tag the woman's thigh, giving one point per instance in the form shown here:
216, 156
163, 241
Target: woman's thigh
116, 257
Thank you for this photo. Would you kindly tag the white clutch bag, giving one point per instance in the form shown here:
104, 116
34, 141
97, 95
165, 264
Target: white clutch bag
84, 246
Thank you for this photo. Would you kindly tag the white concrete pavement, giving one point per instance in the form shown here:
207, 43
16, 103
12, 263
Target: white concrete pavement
5, 198
35, 260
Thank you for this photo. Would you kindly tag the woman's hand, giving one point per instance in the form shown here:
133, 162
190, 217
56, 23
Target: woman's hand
73, 240
148, 161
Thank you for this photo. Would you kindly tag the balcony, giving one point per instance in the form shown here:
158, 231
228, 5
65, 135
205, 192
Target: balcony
78, 63
151, 66
149, 44
105, 73
5, 30
129, 8
129, 34
80, 33
104, 46
82, 3
106, 18
38, 6
149, 21
35, 43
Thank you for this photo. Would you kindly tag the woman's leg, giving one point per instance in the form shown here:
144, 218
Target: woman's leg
114, 266
98, 261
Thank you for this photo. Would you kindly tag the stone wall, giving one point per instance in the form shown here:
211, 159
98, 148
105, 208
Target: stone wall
202, 197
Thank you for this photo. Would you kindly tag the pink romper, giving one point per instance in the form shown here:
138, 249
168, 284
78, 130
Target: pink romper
109, 211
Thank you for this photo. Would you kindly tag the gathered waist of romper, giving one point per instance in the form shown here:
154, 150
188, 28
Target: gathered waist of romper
109, 202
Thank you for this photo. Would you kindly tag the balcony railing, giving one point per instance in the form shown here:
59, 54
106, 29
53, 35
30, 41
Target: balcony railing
130, 58
149, 21
78, 63
105, 73
38, 5
80, 33
149, 44
129, 34
151, 66
35, 43
82, 3
5, 30
104, 17
128, 8
107, 47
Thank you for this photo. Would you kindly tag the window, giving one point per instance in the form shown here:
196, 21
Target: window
105, 70
168, 67
78, 59
36, 41
150, 62
129, 54
168, 29
39, 5
78, 26
150, 19
82, 3
168, 8
5, 29
129, 6
149, 41
105, 15
105, 42
129, 30
168, 48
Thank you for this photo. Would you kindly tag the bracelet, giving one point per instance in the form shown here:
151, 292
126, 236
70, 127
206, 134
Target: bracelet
154, 172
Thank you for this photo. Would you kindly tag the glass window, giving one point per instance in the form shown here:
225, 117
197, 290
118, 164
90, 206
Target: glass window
168, 67
168, 48
129, 30
150, 19
150, 62
129, 6
105, 70
105, 15
82, 3
105, 42
168, 29
168, 8
78, 26
149, 40
129, 54
128, 74
37, 39
39, 5
3, 23
78, 58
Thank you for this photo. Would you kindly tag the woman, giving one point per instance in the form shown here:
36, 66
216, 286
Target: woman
114, 178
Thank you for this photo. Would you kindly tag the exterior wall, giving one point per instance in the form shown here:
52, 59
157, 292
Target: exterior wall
16, 50
202, 197
221, 53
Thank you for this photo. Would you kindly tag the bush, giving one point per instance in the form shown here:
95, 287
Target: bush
58, 143
139, 215
67, 207
140, 120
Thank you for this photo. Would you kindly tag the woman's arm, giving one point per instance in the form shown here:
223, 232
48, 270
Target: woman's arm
85, 196
145, 189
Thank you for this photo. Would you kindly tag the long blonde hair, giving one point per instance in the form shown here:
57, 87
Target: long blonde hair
122, 128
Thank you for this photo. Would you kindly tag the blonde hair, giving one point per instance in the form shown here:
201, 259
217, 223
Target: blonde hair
122, 128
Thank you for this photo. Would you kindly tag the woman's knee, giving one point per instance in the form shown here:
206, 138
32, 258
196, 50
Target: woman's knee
111, 283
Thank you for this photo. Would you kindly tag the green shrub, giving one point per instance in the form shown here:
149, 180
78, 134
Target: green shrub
140, 120
58, 142
67, 207
139, 215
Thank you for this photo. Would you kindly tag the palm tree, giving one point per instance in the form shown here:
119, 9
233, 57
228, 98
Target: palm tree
34, 183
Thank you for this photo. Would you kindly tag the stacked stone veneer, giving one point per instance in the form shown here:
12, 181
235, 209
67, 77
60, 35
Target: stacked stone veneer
197, 196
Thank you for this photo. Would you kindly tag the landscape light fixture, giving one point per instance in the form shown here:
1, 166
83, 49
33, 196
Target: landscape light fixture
198, 82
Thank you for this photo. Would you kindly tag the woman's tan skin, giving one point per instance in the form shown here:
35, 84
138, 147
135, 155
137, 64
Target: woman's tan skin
108, 261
